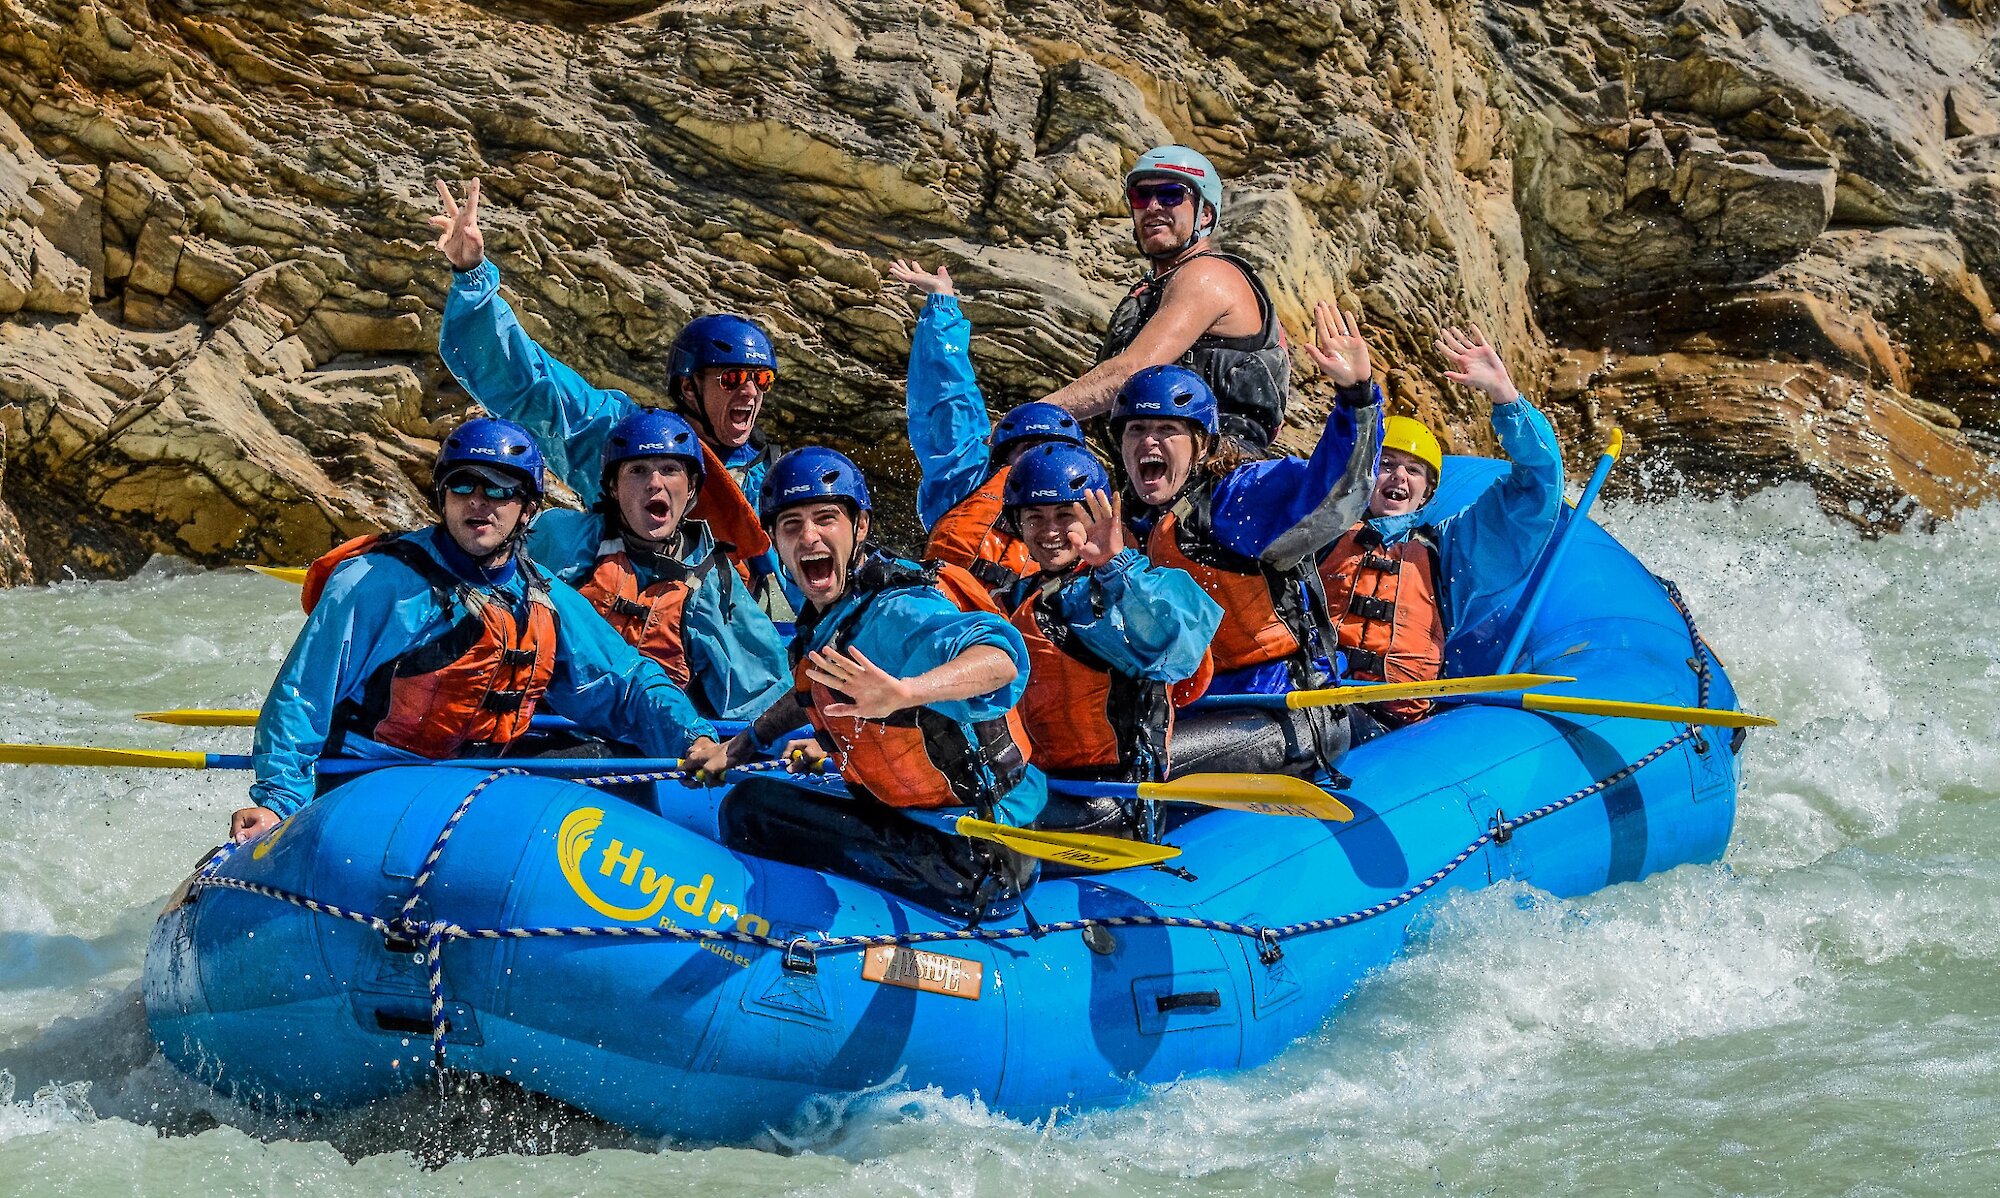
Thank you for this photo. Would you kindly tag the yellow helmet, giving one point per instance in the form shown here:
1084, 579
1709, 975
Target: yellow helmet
1401, 432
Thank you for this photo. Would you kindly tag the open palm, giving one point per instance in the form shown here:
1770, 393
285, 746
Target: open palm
1337, 348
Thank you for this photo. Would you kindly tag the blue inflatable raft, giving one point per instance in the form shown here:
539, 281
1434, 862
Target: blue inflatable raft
620, 960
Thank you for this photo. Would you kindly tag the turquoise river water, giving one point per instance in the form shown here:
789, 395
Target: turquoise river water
1813, 1015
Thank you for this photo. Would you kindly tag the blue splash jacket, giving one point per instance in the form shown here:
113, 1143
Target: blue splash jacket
375, 609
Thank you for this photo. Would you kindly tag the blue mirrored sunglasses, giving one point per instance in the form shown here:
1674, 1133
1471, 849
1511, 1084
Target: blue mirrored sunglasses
492, 491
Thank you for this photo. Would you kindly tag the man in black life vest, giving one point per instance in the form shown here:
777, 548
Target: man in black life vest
1196, 307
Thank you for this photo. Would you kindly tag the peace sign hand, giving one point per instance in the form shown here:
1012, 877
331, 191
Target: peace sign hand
464, 246
873, 693
1337, 347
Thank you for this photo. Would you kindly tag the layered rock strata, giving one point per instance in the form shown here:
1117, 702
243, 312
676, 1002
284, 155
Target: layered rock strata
1760, 234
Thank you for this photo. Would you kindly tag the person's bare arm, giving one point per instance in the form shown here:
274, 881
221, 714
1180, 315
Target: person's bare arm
876, 694
1202, 295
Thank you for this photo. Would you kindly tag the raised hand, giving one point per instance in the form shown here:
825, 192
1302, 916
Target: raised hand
1476, 363
908, 271
1337, 348
872, 692
1100, 540
459, 237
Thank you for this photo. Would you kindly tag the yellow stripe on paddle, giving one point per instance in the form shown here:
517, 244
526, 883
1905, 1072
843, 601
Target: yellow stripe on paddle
163, 759
1069, 848
296, 575
204, 717
1434, 688
1708, 716
1266, 794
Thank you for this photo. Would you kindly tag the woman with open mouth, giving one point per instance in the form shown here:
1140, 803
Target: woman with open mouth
1403, 579
1249, 531
1115, 642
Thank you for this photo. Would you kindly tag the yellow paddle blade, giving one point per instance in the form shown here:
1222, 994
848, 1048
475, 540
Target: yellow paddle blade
1266, 794
204, 717
165, 759
1707, 716
296, 575
1489, 684
1616, 445
1070, 848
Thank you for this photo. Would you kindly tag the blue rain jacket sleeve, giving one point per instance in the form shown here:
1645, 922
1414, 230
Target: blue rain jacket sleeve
1490, 548
606, 687
1146, 621
486, 350
375, 609
565, 543
1282, 510
734, 651
735, 656
372, 611
949, 426
911, 630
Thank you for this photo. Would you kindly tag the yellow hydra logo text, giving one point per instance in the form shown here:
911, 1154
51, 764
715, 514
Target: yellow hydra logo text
621, 870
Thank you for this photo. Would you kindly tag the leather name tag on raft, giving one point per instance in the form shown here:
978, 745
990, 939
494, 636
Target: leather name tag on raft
914, 969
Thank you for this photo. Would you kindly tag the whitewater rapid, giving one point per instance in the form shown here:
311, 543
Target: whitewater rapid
1813, 1015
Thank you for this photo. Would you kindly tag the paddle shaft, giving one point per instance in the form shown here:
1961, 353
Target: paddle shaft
1378, 692
1552, 559
1580, 705
210, 717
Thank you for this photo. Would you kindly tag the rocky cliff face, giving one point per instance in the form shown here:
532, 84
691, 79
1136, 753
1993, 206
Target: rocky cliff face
1757, 233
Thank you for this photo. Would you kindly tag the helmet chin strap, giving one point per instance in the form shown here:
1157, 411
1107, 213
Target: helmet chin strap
689, 402
1196, 235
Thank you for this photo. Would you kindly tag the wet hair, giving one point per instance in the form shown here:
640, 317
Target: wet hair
1222, 455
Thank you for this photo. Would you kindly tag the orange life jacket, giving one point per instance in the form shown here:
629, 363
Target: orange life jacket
918, 757
729, 514
971, 535
1388, 609
1264, 619
1081, 715
473, 687
652, 620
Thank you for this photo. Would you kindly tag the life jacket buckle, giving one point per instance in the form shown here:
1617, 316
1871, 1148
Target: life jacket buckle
503, 702
1368, 607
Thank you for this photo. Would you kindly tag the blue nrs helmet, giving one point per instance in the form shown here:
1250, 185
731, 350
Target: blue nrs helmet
810, 475
1034, 422
652, 433
494, 445
1054, 473
1165, 392
718, 340
1188, 166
